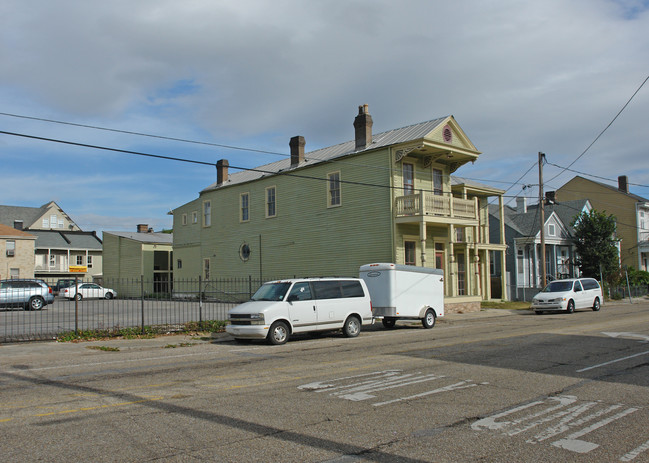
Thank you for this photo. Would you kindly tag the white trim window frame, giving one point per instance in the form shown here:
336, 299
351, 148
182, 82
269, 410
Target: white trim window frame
184, 219
194, 217
334, 190
271, 201
244, 207
207, 213
410, 250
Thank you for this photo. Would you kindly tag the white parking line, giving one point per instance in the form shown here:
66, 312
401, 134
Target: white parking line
613, 361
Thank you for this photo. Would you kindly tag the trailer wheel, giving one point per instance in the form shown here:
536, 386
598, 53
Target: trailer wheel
429, 319
389, 322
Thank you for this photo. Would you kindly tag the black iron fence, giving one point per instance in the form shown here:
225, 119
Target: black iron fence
139, 303
624, 292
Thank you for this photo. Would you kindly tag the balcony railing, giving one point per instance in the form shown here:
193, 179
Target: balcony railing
52, 268
429, 204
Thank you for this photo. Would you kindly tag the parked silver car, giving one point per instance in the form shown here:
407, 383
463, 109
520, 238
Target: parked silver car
31, 294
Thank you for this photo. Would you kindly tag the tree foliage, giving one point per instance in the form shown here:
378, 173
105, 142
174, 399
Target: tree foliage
596, 244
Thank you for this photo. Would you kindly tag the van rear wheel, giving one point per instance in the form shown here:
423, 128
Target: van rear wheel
429, 319
389, 322
352, 327
278, 333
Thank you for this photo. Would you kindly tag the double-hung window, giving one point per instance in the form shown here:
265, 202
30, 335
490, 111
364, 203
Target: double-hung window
245, 207
438, 182
333, 189
207, 213
410, 248
408, 178
271, 202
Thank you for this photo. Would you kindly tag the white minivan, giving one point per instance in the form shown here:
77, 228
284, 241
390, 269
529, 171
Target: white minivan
568, 295
283, 307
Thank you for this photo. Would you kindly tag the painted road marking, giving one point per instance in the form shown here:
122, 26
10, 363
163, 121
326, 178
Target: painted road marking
625, 334
366, 386
613, 361
563, 418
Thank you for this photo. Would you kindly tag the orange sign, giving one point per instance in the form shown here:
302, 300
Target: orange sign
78, 268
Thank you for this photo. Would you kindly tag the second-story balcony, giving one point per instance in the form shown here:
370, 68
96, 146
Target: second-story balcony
436, 207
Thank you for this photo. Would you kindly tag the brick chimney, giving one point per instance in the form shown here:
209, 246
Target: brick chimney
222, 171
297, 144
363, 127
142, 228
623, 184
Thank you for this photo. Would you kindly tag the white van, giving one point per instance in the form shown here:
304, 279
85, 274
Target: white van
568, 295
405, 292
283, 307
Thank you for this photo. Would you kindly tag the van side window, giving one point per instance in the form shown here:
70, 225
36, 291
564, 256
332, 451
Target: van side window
577, 286
327, 289
352, 289
589, 284
300, 292
337, 289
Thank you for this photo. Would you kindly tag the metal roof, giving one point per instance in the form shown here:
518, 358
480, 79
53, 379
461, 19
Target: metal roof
379, 140
149, 238
66, 239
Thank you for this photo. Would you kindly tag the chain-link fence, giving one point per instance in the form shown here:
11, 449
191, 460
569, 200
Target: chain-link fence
138, 303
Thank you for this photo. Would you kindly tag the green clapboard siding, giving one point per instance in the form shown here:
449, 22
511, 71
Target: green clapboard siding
306, 238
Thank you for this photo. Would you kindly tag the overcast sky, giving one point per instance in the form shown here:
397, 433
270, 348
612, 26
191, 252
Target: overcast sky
519, 77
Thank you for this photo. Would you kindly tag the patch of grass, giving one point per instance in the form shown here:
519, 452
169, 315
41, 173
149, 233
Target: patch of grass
182, 344
149, 332
511, 305
105, 348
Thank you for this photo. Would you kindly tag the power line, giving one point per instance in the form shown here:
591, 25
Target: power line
183, 140
595, 176
605, 128
213, 164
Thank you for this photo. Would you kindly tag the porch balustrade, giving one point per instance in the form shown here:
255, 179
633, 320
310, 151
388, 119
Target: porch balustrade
425, 203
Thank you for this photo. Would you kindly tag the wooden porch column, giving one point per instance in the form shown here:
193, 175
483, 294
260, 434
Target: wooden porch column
422, 239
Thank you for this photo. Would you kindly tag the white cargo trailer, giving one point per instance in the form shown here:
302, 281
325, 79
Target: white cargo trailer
404, 292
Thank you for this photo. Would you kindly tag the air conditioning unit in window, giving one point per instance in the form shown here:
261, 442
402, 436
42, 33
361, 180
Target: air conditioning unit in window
10, 252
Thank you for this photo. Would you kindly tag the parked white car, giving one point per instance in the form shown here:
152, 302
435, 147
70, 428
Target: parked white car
280, 308
88, 291
569, 295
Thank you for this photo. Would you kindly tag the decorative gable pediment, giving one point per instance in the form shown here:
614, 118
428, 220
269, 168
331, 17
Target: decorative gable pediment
449, 133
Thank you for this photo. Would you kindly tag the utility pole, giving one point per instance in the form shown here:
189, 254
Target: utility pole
542, 207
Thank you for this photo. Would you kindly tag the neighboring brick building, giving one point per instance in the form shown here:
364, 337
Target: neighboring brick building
16, 253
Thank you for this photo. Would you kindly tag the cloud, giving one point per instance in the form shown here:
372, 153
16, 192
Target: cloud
520, 77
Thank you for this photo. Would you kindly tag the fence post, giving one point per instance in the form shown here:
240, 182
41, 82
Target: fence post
200, 299
142, 299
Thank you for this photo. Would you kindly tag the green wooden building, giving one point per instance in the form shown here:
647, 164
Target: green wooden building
386, 197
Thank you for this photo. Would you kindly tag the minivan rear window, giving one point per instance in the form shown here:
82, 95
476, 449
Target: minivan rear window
590, 284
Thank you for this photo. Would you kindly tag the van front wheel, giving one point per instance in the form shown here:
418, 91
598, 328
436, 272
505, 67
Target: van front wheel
429, 319
352, 327
278, 333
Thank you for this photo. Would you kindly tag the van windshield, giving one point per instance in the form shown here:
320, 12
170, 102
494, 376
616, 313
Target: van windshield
271, 292
558, 287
